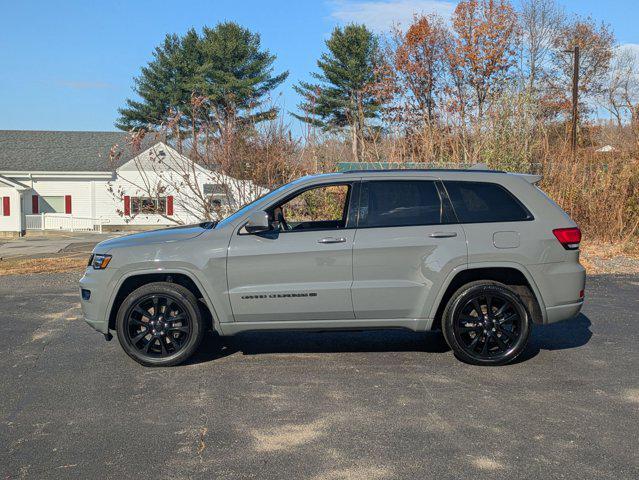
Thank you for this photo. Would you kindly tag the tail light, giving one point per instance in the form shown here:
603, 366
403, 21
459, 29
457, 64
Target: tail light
568, 237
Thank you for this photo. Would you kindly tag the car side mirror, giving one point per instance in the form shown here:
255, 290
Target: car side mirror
258, 222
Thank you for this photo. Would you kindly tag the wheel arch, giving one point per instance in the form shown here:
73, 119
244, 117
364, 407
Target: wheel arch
130, 282
511, 274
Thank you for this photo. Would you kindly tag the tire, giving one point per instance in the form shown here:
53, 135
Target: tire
497, 335
160, 324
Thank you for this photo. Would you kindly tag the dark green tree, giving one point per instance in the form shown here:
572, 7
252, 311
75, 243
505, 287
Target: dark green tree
344, 97
224, 65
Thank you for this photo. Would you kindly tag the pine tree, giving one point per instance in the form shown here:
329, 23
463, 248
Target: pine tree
226, 65
343, 98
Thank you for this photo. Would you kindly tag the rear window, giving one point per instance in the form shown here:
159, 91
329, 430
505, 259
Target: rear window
400, 203
479, 202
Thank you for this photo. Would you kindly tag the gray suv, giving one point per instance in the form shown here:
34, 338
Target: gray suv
481, 255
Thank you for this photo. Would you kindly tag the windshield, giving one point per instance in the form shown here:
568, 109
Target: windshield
248, 206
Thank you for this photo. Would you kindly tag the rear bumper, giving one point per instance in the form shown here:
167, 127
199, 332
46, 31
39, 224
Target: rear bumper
561, 286
563, 312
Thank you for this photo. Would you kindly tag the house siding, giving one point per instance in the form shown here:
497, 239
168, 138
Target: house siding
12, 222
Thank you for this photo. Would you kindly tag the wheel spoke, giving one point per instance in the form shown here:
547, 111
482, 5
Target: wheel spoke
163, 346
474, 328
147, 349
141, 312
178, 318
484, 348
140, 336
508, 319
473, 344
178, 328
489, 306
500, 311
501, 343
477, 307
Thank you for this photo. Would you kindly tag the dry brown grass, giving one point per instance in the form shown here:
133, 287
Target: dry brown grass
22, 266
610, 258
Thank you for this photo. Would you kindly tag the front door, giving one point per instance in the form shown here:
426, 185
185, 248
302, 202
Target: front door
407, 242
303, 268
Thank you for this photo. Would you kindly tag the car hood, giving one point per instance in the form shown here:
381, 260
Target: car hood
165, 235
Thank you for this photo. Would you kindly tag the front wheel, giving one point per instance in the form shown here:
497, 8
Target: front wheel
486, 323
159, 324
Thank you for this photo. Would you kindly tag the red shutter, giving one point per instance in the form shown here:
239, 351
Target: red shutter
67, 204
6, 206
34, 204
169, 205
127, 205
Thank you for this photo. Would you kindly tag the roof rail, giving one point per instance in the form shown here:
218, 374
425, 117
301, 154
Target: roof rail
472, 169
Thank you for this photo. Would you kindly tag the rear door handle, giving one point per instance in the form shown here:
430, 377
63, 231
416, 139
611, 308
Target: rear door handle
332, 240
443, 234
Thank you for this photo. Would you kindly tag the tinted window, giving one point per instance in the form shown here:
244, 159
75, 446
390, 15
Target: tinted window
399, 203
477, 202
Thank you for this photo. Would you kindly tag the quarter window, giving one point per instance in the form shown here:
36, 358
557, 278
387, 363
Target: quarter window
400, 203
481, 202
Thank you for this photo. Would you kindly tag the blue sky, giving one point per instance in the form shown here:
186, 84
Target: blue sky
68, 65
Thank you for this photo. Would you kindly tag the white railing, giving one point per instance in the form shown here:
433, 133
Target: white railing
52, 221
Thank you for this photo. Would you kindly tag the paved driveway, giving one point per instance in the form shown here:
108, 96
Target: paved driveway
34, 245
377, 405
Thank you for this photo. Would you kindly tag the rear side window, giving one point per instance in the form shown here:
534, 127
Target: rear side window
400, 203
479, 202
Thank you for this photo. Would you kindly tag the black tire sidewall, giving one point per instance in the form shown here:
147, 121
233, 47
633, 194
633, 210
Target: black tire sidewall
181, 294
458, 300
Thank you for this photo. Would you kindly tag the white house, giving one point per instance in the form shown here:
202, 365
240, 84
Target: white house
69, 180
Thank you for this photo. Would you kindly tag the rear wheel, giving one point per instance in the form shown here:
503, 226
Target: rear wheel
160, 324
486, 323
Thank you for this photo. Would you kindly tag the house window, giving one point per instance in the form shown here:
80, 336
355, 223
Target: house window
52, 204
148, 205
216, 193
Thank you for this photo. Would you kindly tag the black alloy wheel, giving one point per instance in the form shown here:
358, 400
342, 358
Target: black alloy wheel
160, 324
487, 323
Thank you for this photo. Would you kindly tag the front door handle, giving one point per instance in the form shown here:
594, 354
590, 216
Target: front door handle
332, 240
443, 234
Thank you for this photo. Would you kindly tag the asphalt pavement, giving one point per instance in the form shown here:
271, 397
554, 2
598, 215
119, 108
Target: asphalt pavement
340, 405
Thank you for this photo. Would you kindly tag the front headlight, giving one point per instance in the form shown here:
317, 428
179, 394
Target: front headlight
99, 261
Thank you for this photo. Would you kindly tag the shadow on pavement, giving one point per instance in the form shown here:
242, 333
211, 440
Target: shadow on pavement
573, 333
559, 336
255, 343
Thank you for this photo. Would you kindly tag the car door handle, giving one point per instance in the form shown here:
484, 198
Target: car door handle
443, 234
332, 240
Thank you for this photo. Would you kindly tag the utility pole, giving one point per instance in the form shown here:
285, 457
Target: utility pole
575, 100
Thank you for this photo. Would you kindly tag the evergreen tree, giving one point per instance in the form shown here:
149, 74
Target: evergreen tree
343, 98
225, 64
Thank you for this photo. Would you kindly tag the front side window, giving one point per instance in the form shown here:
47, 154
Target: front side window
400, 203
482, 202
52, 204
320, 208
148, 205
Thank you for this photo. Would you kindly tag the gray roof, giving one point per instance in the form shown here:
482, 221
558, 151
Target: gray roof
25, 150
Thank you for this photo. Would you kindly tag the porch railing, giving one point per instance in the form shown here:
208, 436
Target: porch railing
52, 221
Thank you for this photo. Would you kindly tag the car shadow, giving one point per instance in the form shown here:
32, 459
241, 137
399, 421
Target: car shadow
559, 336
214, 347
573, 333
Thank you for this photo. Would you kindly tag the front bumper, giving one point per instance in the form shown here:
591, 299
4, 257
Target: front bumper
94, 310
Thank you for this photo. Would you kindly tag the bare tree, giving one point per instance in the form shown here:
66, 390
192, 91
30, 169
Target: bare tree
540, 21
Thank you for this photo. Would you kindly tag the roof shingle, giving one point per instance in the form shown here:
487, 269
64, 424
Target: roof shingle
27, 150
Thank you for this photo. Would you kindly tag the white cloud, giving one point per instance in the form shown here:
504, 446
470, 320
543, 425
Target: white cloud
381, 15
